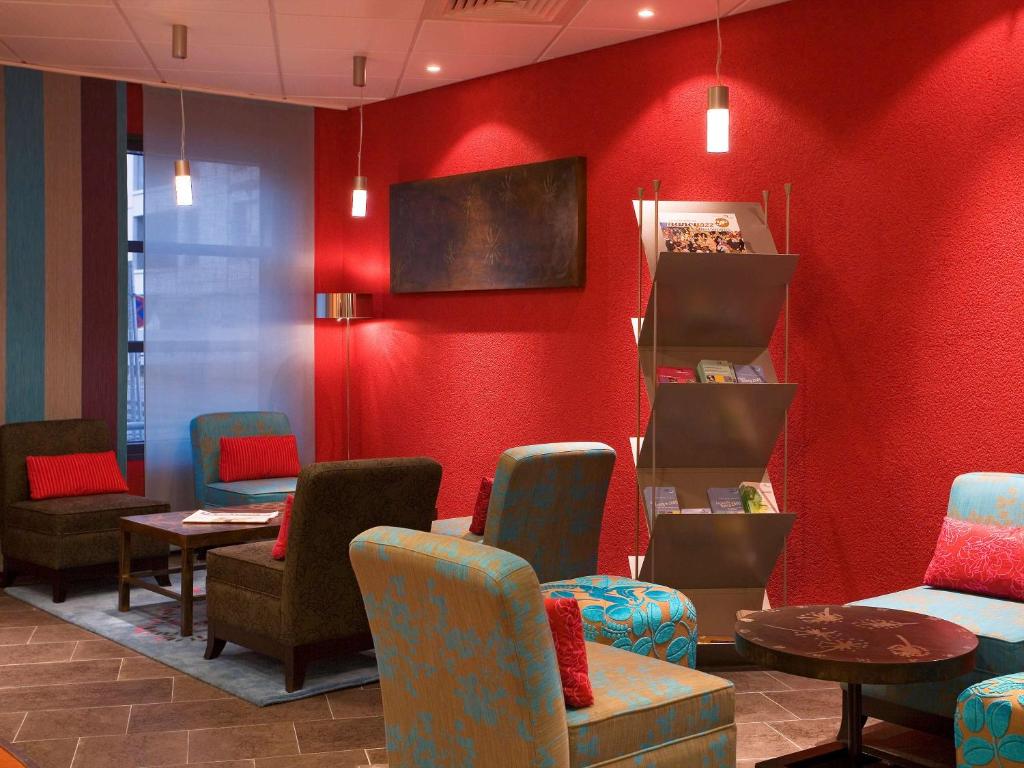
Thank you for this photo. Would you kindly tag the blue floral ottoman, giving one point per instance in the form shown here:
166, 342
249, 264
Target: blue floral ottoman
989, 724
643, 618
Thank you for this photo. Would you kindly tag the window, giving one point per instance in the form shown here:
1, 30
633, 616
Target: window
136, 311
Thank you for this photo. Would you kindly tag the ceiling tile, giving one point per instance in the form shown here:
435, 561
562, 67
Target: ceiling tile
357, 9
527, 40
622, 14
128, 74
249, 83
62, 2
224, 6
574, 40
461, 66
340, 86
62, 52
215, 58
83, 21
417, 84
206, 28
751, 5
365, 35
335, 103
321, 61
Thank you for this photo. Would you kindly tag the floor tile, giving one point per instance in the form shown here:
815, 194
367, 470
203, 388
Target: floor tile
101, 649
89, 721
10, 722
809, 733
132, 751
141, 668
267, 740
811, 703
189, 689
85, 695
355, 702
377, 756
53, 753
354, 758
759, 741
34, 654
339, 735
757, 707
793, 681
60, 632
752, 681
220, 713
21, 675
218, 764
27, 617
15, 635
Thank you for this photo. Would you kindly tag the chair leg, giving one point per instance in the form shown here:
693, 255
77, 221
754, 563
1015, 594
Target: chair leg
214, 645
164, 580
10, 572
60, 588
294, 669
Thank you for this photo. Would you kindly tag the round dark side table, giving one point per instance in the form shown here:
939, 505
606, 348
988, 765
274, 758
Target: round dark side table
855, 645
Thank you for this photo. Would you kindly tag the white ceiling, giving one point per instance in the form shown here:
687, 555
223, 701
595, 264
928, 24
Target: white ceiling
301, 50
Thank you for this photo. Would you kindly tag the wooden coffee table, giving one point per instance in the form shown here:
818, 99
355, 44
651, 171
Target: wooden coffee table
190, 537
855, 645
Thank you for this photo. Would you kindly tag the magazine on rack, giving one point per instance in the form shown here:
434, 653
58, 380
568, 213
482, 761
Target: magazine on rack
702, 233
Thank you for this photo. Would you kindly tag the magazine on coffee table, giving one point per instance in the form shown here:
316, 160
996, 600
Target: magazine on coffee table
205, 516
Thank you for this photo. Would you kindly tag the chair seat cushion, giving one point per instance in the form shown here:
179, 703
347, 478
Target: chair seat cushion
79, 514
455, 526
247, 566
644, 618
249, 491
989, 724
998, 622
642, 705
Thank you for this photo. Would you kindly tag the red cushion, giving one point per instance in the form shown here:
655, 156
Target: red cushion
571, 650
973, 557
281, 545
483, 498
257, 457
74, 474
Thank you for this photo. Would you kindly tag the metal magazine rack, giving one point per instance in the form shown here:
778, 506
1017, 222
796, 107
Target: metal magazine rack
716, 306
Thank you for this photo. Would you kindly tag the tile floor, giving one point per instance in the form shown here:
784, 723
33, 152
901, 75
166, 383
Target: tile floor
71, 699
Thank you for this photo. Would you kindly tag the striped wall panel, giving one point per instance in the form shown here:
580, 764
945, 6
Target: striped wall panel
63, 261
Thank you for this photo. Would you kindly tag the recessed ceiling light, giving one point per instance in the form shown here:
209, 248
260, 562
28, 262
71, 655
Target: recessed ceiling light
645, 13
433, 68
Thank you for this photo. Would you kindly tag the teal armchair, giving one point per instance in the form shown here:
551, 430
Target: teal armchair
980, 497
206, 432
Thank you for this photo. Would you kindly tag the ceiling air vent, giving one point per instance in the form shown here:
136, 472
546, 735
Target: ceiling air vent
522, 11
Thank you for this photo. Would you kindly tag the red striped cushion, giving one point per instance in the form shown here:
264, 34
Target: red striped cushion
74, 474
257, 457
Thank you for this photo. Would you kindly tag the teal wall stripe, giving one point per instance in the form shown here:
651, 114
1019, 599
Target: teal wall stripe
122, 278
25, 365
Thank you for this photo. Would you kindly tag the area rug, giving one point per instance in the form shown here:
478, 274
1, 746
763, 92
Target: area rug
151, 628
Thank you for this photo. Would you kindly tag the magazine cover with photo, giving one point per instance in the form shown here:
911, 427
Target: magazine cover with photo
702, 233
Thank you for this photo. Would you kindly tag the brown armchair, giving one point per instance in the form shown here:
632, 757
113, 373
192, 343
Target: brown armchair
308, 606
76, 535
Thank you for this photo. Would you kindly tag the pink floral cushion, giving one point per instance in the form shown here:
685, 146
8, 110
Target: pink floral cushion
984, 559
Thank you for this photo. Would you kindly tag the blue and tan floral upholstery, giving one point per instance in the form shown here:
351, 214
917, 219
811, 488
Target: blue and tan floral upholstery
983, 497
206, 432
989, 724
469, 677
546, 506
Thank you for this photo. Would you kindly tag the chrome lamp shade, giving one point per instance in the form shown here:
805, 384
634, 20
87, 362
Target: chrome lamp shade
344, 306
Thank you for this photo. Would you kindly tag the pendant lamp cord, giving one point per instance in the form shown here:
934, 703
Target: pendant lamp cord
359, 155
181, 95
718, 30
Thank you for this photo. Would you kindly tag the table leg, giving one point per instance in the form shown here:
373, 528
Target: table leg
186, 591
124, 568
855, 723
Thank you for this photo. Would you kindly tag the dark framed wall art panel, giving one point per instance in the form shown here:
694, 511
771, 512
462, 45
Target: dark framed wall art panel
523, 226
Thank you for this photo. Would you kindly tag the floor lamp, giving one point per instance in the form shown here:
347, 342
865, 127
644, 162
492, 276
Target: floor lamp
345, 307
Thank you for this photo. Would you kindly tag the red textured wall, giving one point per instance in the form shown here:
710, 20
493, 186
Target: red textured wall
899, 123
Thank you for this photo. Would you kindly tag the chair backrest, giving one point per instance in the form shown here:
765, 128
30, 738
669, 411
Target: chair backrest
467, 665
207, 430
547, 504
44, 438
334, 501
996, 498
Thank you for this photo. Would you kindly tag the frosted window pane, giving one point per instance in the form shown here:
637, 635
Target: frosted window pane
229, 280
